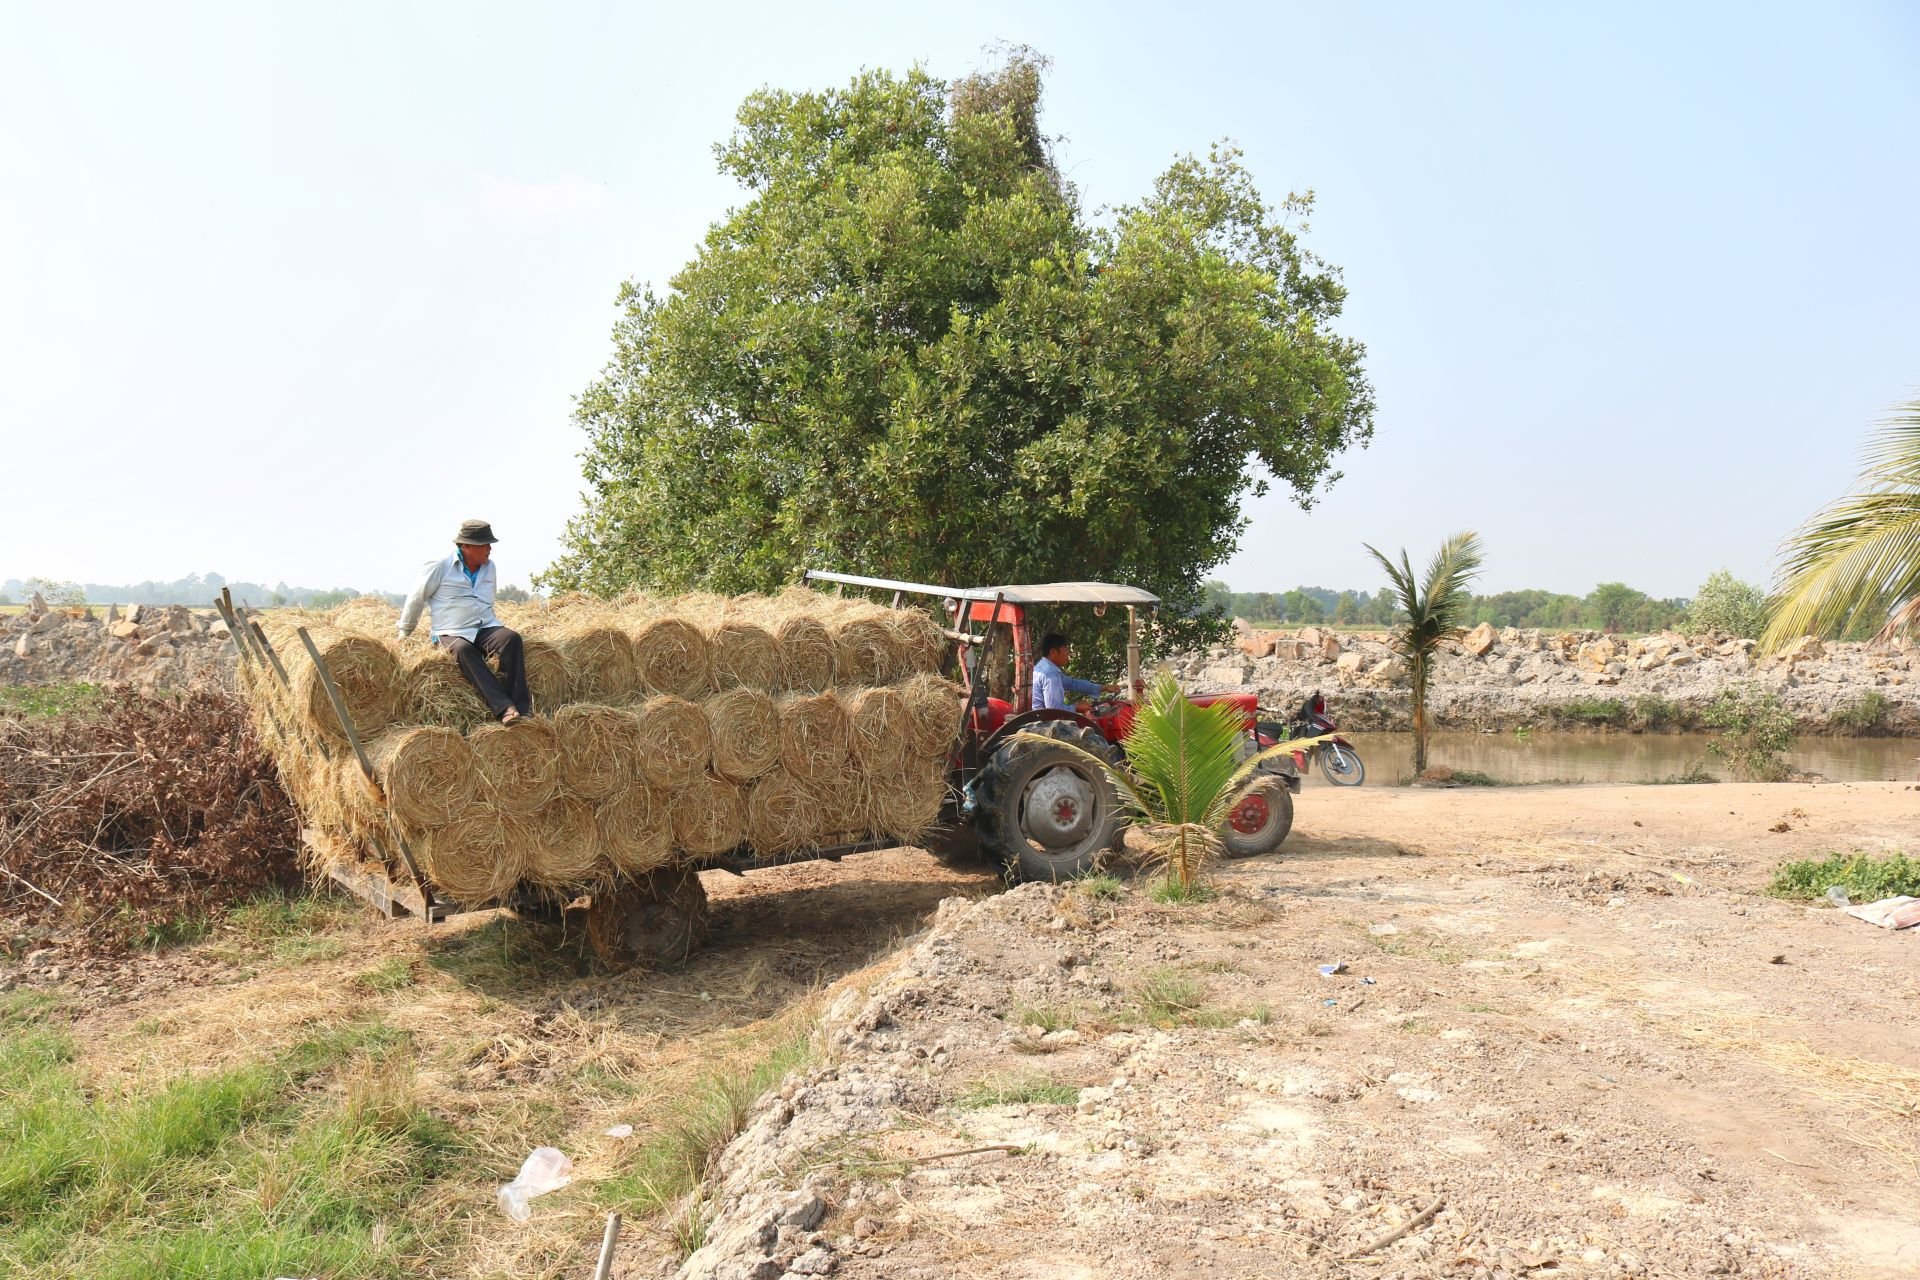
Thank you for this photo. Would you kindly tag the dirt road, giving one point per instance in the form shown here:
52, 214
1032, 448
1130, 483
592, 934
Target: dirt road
1567, 1018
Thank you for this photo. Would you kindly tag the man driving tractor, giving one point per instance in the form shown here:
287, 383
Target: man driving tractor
1052, 684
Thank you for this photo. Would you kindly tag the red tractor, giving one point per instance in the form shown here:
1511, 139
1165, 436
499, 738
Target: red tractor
1043, 811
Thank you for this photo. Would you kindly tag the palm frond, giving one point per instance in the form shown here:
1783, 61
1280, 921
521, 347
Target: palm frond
1237, 785
1861, 551
1185, 753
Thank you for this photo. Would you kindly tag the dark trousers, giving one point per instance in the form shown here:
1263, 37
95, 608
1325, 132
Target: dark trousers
509, 688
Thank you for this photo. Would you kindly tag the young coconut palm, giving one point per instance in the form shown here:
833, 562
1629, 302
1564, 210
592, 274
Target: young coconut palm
1435, 609
1848, 562
1184, 771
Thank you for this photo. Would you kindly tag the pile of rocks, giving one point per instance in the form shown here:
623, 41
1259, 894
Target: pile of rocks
1494, 678
148, 646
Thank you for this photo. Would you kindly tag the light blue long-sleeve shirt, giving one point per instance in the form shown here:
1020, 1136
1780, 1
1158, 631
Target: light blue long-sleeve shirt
461, 603
1051, 686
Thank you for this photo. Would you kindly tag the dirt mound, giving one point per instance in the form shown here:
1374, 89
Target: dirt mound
140, 810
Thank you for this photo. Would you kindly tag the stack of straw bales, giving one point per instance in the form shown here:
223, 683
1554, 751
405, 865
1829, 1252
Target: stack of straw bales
666, 732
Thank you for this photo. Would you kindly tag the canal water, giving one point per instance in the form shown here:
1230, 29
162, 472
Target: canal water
1618, 757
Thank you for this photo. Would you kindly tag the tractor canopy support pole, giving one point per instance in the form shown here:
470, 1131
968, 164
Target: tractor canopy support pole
977, 692
1133, 652
366, 767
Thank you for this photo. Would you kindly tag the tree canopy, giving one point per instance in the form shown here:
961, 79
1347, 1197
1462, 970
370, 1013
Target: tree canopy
909, 352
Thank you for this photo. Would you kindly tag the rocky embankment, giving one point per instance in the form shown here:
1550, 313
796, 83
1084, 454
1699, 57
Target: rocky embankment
148, 646
1501, 679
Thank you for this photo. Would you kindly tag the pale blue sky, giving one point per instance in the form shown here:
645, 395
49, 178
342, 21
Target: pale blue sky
1636, 280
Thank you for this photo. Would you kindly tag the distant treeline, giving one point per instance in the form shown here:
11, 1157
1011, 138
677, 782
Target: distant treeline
1610, 606
196, 589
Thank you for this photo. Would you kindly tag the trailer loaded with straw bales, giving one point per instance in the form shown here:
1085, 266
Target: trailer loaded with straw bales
670, 736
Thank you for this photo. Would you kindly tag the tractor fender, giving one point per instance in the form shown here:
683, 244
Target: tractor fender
1026, 720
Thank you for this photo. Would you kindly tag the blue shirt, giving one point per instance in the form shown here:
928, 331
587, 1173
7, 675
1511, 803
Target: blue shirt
460, 600
1051, 686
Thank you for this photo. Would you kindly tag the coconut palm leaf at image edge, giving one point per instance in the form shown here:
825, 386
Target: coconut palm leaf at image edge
1183, 764
1861, 552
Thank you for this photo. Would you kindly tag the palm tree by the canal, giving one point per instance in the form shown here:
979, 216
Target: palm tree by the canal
1859, 557
1436, 607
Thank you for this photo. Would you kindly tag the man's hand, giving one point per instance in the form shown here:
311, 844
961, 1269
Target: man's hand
1083, 706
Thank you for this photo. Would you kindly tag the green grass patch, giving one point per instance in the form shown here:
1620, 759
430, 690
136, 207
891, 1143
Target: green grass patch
1866, 878
1100, 885
49, 699
1863, 714
710, 1112
1592, 711
246, 1172
389, 975
1017, 1091
279, 915
1167, 997
1048, 1017
1170, 892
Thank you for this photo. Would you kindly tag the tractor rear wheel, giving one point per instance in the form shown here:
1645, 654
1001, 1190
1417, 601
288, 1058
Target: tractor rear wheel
1045, 811
1259, 820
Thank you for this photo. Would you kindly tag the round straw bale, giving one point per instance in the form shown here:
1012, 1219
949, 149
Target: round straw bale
782, 814
636, 831
436, 692
599, 659
672, 656
566, 845
744, 656
918, 639
709, 816
807, 654
519, 763
880, 729
477, 858
367, 616
429, 775
814, 736
675, 741
933, 715
599, 749
746, 733
365, 671
865, 652
840, 807
549, 674
905, 806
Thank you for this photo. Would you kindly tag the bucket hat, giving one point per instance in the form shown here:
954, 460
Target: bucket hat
474, 533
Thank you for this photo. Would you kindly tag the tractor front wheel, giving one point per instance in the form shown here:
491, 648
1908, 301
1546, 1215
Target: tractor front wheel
1045, 811
1259, 820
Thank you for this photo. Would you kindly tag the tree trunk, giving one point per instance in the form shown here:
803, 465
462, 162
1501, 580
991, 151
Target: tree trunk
1419, 714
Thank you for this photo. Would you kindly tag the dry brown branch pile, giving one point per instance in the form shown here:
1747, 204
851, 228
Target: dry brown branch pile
142, 808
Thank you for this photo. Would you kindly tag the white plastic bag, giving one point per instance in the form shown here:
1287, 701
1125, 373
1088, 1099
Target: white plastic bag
547, 1169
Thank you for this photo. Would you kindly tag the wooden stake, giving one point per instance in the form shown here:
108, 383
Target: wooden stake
604, 1267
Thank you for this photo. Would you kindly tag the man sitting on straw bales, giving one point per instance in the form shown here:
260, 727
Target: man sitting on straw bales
458, 589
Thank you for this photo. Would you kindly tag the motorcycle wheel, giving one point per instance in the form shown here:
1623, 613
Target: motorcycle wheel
1342, 765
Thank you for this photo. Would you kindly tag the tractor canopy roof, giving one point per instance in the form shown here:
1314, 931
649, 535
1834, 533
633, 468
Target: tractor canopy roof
1100, 593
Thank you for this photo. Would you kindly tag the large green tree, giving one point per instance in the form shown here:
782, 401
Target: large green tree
908, 352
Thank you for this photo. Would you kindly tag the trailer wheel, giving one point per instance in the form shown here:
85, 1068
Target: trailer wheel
1259, 820
1045, 812
657, 919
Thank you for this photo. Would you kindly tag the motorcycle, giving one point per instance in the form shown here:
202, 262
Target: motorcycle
1338, 760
